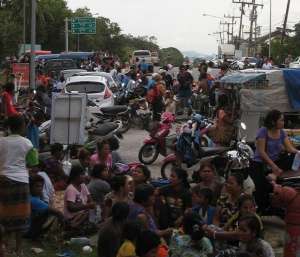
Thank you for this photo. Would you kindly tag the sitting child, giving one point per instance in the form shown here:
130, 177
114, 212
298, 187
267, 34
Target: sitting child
192, 242
42, 216
202, 198
246, 205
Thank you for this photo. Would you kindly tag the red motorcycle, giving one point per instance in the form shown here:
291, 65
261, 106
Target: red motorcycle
158, 140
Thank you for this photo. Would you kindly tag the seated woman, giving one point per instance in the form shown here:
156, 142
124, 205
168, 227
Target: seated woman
246, 205
192, 242
54, 167
140, 174
103, 155
227, 205
78, 202
141, 207
42, 216
98, 185
249, 236
271, 140
174, 199
120, 186
207, 175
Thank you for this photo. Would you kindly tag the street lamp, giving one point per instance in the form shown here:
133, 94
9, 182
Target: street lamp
213, 16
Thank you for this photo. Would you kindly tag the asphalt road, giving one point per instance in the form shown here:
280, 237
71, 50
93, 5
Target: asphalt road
130, 146
132, 142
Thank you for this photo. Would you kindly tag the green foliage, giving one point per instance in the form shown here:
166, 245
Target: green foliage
291, 45
171, 55
50, 26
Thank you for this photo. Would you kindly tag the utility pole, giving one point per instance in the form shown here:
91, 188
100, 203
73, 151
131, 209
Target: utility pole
33, 41
243, 4
228, 24
220, 35
285, 20
233, 22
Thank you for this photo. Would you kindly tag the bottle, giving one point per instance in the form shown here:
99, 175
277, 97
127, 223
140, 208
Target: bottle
296, 162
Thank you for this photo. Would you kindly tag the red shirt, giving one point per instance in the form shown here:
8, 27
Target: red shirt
8, 102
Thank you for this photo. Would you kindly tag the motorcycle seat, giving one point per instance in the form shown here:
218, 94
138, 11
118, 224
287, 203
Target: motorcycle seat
105, 129
114, 109
207, 151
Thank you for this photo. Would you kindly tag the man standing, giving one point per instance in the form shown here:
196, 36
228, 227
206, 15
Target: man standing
185, 80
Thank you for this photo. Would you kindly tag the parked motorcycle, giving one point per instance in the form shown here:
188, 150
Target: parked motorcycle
110, 114
140, 113
156, 142
235, 157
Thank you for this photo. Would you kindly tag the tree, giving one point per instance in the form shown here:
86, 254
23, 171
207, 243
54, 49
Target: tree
171, 55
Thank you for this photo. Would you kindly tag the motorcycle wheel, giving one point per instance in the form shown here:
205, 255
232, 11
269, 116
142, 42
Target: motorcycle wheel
166, 169
126, 124
148, 151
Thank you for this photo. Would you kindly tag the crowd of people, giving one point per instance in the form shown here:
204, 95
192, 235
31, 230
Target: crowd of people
132, 215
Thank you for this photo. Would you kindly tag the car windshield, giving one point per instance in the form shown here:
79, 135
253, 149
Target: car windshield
142, 53
86, 87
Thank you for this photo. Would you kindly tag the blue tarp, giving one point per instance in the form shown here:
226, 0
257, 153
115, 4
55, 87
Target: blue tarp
243, 78
292, 84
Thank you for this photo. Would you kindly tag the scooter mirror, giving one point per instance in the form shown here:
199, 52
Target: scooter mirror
243, 126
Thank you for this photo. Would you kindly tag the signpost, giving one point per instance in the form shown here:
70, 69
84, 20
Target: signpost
83, 25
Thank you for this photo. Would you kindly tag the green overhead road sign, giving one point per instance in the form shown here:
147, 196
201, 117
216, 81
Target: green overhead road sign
83, 25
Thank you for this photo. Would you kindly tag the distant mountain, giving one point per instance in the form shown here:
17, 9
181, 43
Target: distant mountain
194, 54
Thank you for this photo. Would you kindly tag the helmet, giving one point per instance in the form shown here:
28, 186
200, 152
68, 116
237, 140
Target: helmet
197, 118
168, 117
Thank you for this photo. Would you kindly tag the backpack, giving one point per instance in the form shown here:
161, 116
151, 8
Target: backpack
152, 95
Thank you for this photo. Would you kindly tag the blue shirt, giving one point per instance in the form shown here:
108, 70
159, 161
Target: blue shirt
209, 215
37, 205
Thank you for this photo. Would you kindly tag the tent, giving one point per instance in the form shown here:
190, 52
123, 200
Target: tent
281, 91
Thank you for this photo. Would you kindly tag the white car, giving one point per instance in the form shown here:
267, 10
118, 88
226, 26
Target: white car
96, 88
113, 85
295, 64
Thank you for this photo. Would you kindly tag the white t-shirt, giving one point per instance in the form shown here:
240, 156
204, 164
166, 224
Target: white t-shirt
48, 189
13, 151
267, 66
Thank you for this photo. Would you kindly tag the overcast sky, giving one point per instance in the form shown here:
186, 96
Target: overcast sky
180, 23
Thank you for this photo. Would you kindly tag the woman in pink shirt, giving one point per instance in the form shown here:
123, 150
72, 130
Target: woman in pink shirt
103, 155
77, 201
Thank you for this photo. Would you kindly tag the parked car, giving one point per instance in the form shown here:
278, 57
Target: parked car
77, 57
96, 88
46, 57
58, 65
295, 64
69, 73
113, 85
